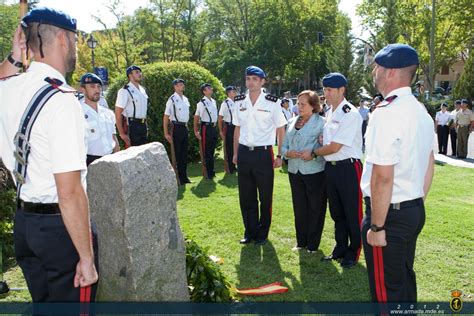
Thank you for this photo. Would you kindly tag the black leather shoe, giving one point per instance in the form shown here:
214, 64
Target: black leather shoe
348, 264
245, 241
331, 257
260, 242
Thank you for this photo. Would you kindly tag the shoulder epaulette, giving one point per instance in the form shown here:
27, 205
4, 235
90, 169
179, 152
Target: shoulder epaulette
346, 108
272, 98
58, 84
240, 97
8, 77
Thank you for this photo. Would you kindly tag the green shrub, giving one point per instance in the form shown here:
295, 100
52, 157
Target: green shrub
7, 211
157, 82
206, 282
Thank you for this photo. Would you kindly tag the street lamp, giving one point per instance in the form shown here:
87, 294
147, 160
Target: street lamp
92, 43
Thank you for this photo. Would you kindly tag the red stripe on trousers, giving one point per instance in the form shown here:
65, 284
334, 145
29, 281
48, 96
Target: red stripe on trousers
271, 201
379, 275
358, 168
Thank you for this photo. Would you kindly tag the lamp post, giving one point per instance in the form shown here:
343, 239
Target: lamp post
92, 43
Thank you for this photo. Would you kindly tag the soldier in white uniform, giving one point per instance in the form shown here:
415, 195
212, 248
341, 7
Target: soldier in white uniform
227, 127
131, 109
396, 178
342, 151
452, 127
258, 121
441, 122
42, 142
205, 121
100, 129
177, 112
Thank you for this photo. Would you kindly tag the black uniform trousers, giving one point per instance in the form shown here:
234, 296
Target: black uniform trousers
137, 131
364, 129
48, 258
229, 145
255, 176
181, 143
454, 139
345, 206
390, 268
309, 196
209, 142
442, 131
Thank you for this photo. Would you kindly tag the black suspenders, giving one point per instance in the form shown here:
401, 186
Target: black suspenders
207, 110
230, 111
133, 101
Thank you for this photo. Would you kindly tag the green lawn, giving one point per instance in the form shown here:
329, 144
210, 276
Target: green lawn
209, 213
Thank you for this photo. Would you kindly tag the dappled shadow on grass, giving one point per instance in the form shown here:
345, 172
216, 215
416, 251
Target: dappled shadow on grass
204, 188
181, 190
229, 180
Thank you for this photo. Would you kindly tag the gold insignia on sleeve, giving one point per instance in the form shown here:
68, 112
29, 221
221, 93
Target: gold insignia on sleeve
456, 301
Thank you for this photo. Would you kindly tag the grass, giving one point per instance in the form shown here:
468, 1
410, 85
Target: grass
209, 213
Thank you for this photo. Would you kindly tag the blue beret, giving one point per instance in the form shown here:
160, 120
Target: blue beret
90, 78
465, 101
285, 100
255, 71
458, 102
397, 56
334, 80
205, 85
444, 104
50, 16
178, 80
230, 88
132, 68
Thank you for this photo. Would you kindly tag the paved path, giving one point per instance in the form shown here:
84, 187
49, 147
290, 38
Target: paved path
452, 160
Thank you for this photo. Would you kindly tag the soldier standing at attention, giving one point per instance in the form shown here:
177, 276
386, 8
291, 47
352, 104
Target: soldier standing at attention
396, 178
205, 131
258, 121
342, 151
177, 112
100, 121
226, 126
131, 108
42, 145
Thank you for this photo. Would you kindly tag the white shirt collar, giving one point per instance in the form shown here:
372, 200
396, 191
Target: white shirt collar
47, 70
400, 92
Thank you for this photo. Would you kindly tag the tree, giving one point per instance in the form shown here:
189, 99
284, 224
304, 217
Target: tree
8, 22
465, 85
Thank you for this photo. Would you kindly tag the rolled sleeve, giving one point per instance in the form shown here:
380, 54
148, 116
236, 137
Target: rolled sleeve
199, 109
169, 104
278, 117
66, 136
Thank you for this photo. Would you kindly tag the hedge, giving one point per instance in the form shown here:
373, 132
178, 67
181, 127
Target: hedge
157, 82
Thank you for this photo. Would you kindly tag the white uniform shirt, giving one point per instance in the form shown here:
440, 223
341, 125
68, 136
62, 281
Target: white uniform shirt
203, 107
57, 137
287, 114
345, 129
258, 123
227, 110
100, 128
364, 112
453, 115
181, 104
443, 118
404, 141
125, 101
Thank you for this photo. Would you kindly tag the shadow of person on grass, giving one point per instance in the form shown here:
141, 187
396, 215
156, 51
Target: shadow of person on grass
229, 180
259, 265
204, 188
181, 190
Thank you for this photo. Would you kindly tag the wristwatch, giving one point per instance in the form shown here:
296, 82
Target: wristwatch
376, 228
11, 60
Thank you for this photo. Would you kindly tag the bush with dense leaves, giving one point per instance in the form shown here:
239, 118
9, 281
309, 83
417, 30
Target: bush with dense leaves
206, 282
7, 211
157, 81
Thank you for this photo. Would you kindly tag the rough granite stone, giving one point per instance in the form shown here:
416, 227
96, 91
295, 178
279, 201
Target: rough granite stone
132, 198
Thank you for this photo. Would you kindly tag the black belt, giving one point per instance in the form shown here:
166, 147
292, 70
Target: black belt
178, 123
229, 123
39, 208
208, 124
342, 162
398, 206
137, 120
253, 148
